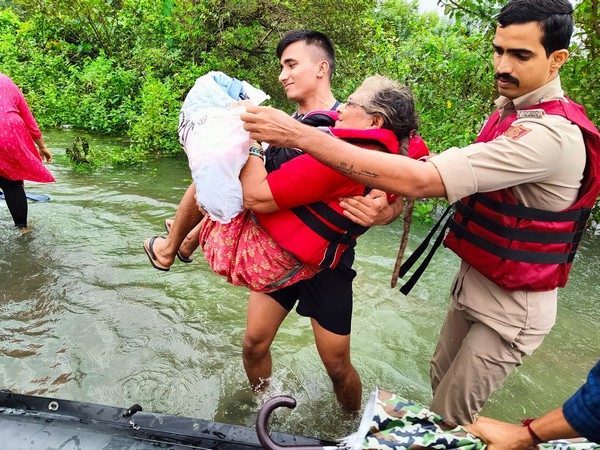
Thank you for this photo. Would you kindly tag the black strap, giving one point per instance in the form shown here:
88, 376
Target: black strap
337, 219
542, 237
330, 253
308, 215
412, 259
511, 253
311, 220
526, 212
578, 216
466, 209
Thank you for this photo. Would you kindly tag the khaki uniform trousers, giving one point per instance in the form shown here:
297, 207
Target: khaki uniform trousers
470, 362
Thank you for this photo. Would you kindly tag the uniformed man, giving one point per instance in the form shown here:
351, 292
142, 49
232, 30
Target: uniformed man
536, 160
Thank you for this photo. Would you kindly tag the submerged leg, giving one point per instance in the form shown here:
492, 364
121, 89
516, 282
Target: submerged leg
264, 317
16, 200
334, 350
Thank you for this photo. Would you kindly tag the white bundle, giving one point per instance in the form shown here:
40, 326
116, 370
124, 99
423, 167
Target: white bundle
216, 143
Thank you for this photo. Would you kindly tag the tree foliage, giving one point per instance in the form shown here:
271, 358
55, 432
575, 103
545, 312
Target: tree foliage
125, 66
101, 59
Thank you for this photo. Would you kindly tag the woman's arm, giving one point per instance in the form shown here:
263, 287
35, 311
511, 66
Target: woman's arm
255, 188
26, 114
44, 152
300, 181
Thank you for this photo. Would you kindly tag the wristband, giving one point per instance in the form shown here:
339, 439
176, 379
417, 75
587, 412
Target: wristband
256, 150
527, 423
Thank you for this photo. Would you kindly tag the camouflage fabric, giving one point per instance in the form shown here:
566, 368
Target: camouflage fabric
391, 422
401, 424
569, 444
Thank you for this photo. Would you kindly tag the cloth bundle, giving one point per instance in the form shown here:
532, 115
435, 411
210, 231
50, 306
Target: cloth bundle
215, 141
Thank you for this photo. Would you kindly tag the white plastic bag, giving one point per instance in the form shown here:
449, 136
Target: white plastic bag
216, 143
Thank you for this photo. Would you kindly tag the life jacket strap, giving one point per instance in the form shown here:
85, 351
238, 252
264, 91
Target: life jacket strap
515, 234
412, 259
525, 212
314, 217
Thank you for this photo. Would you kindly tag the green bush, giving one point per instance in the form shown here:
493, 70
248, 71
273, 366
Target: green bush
105, 95
125, 66
154, 129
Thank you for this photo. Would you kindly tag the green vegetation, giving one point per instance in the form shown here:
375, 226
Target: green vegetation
124, 66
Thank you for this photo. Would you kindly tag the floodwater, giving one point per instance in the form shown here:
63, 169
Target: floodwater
84, 316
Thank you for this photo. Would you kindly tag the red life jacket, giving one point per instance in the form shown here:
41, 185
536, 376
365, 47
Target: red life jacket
336, 231
517, 247
325, 227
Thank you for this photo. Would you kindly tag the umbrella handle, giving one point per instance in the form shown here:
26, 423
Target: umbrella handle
262, 421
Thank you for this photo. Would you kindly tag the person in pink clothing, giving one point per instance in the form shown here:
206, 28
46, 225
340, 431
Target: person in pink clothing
22, 150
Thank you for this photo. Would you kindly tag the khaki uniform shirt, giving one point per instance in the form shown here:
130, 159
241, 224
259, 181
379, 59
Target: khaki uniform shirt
543, 161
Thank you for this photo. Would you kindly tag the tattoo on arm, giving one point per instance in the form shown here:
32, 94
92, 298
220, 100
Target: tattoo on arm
347, 169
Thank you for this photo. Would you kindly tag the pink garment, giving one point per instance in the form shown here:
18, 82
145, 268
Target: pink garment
19, 156
246, 255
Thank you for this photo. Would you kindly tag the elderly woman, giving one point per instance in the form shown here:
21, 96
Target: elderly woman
293, 225
22, 148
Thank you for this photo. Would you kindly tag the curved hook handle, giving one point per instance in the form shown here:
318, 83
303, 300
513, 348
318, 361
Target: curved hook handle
262, 420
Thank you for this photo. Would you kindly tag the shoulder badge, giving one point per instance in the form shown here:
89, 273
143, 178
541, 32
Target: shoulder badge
516, 132
530, 113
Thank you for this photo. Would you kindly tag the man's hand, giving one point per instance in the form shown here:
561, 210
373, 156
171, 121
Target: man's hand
271, 125
372, 209
500, 435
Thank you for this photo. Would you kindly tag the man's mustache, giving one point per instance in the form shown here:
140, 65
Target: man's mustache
507, 78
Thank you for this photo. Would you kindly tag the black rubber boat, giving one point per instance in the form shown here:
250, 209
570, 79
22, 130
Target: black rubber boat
33, 423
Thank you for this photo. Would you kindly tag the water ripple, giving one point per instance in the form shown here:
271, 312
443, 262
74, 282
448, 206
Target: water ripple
84, 316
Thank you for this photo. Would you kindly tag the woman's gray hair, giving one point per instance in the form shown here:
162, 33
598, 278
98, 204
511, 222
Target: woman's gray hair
394, 103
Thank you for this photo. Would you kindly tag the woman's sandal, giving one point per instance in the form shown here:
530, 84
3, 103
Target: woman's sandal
149, 249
